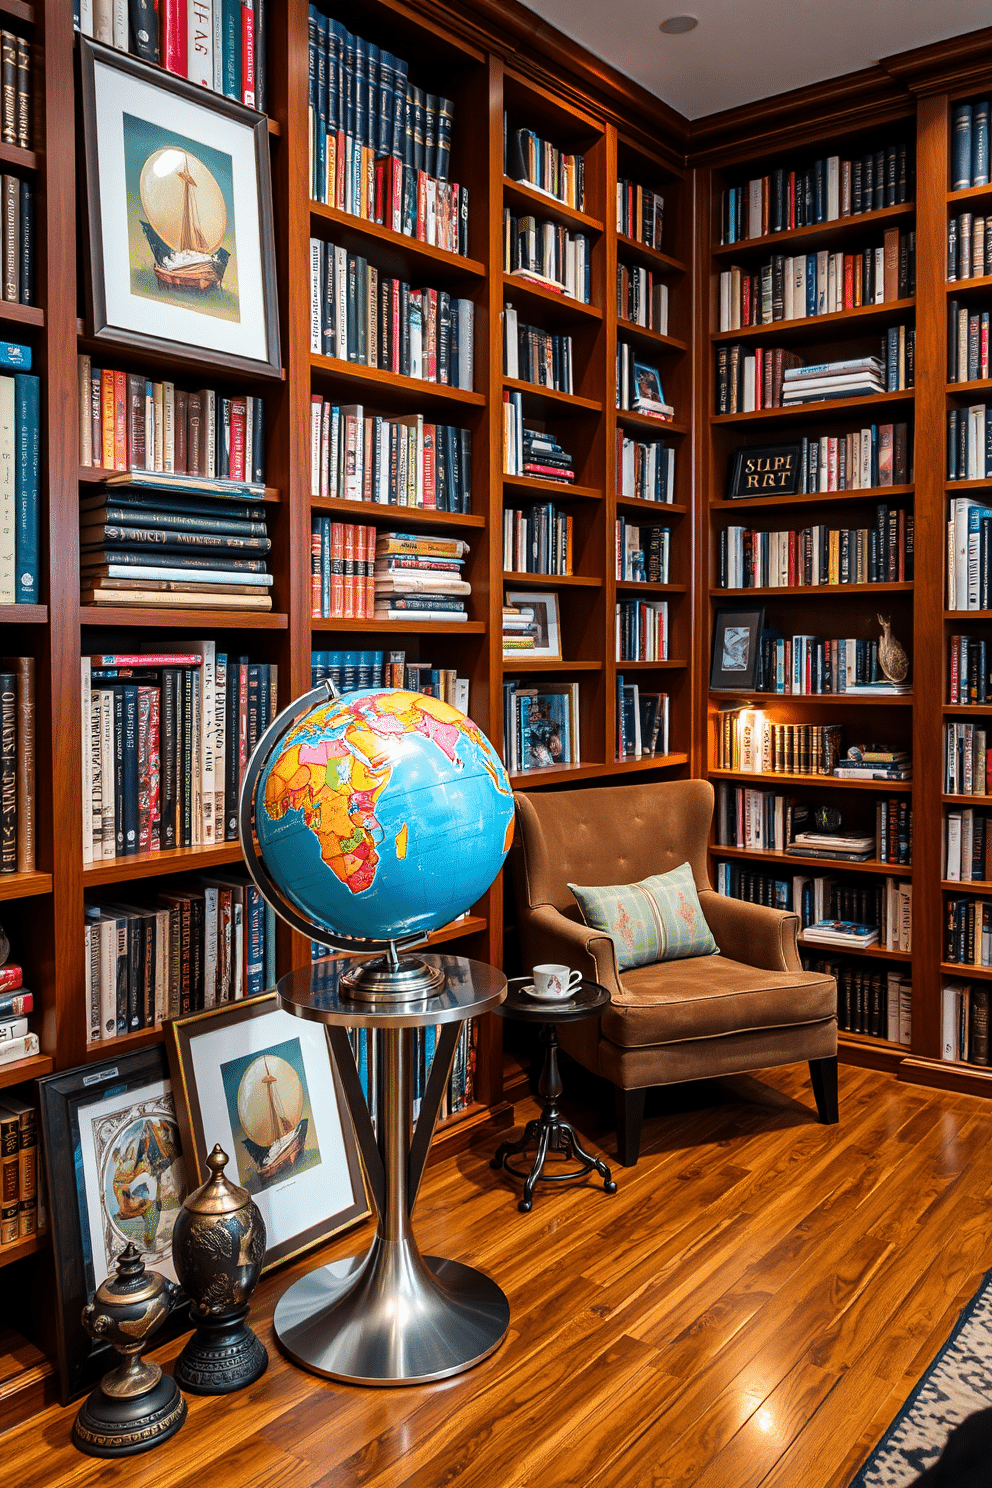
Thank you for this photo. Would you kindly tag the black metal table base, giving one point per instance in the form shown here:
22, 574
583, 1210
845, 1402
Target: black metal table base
550, 1132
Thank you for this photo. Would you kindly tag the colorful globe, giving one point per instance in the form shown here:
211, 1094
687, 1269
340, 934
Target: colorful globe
383, 814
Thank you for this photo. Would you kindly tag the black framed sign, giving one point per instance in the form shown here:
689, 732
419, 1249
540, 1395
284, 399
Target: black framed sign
765, 470
736, 634
181, 245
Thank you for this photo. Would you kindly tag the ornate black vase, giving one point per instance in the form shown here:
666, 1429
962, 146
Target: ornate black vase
135, 1406
218, 1245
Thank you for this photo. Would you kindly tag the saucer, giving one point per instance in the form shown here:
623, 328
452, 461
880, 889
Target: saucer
530, 990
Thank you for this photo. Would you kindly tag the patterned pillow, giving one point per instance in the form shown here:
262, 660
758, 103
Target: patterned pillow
658, 919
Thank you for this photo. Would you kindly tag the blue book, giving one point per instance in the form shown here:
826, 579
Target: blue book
979, 145
313, 44
384, 109
325, 565
254, 936
372, 98
321, 164
399, 130
961, 147
232, 48
270, 946
810, 284
27, 406
16, 356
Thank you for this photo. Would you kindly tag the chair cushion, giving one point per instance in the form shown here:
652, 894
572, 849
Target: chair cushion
709, 997
658, 919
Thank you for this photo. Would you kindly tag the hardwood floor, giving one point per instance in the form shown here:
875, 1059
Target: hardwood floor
751, 1308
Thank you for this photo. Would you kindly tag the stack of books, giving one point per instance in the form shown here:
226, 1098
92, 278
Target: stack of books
22, 1213
848, 933
420, 578
175, 540
530, 451
834, 846
540, 725
17, 1041
874, 762
547, 254
519, 630
855, 377
639, 388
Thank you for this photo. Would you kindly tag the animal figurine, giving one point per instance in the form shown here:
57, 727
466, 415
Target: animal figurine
891, 656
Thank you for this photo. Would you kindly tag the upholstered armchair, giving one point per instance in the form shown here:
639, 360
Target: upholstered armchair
750, 1007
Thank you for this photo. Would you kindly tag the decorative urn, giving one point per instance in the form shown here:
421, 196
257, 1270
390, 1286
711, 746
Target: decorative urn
135, 1406
218, 1245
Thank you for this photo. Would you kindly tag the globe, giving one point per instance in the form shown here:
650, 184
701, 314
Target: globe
383, 814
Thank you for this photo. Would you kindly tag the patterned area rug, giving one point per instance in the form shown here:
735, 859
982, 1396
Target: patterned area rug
958, 1382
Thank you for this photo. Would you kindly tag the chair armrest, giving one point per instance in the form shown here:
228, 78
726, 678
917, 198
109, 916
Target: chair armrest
551, 936
751, 933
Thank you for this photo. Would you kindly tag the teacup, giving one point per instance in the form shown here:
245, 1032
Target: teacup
555, 981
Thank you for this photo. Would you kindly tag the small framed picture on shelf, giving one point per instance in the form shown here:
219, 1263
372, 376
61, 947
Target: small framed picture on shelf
765, 470
735, 649
540, 608
115, 1171
181, 245
258, 1081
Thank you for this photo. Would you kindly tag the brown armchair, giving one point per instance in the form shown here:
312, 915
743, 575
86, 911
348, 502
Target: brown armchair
748, 1008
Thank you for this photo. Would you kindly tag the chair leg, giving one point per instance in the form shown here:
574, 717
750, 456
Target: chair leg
630, 1114
824, 1076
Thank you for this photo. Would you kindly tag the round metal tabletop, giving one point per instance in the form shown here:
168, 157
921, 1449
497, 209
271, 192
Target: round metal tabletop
587, 999
471, 988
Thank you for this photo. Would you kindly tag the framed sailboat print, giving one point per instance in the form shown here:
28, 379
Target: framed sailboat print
179, 191
259, 1081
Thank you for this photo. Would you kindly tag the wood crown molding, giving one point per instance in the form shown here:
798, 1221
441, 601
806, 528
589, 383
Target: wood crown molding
953, 66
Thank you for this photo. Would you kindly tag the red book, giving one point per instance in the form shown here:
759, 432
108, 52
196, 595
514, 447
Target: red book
238, 417
120, 420
11, 977
248, 52
369, 609
848, 281
394, 326
144, 770
173, 50
337, 570
155, 768
348, 566
242, 720
792, 199
430, 441
955, 651
316, 555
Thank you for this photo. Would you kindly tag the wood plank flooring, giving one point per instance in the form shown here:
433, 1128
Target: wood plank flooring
751, 1308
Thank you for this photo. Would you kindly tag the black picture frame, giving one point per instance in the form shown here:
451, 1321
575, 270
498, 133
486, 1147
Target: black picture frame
736, 633
765, 470
81, 1360
178, 93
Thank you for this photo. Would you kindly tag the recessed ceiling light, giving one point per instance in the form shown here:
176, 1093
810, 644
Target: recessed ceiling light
677, 25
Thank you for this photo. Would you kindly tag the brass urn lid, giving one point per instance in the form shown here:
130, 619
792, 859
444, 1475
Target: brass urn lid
218, 1195
131, 1282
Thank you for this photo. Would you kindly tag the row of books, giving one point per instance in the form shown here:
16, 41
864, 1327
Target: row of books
645, 469
969, 533
966, 843
825, 191
968, 933
17, 1041
129, 422
749, 379
461, 1084
864, 459
876, 1003
642, 630
167, 733
350, 671
20, 455
531, 451
359, 315
969, 672
342, 565
535, 355
749, 742
969, 443
970, 145
640, 213
549, 255
209, 942
219, 44
964, 1023
150, 539
420, 577
537, 539
638, 386
765, 821
17, 252
17, 92
643, 721
399, 461
880, 554
853, 915
539, 164
540, 725
810, 666
969, 247
520, 628
812, 284
641, 553
22, 1210
966, 759
967, 343
642, 299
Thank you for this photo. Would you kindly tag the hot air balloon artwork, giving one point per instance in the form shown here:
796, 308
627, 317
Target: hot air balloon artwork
271, 1119
185, 220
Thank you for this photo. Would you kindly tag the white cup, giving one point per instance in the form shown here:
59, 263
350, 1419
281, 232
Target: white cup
555, 981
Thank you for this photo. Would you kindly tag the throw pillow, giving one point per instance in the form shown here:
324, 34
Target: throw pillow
658, 919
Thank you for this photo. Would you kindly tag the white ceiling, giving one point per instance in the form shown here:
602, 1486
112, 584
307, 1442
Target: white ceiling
743, 50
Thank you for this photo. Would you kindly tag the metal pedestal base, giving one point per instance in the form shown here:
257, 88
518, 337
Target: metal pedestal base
391, 1317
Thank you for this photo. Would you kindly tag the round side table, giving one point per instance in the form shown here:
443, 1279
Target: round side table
392, 1316
551, 1132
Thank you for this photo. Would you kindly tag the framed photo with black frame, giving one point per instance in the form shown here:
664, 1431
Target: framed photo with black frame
179, 191
115, 1171
736, 634
260, 1082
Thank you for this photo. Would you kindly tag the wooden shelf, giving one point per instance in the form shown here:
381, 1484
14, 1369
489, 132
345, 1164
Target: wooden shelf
659, 508
541, 581
980, 283
954, 486
644, 422
807, 326
964, 973
179, 617
555, 401
876, 952
975, 710
968, 885
15, 155
561, 309
94, 474
817, 697
967, 390
969, 194
950, 800
151, 865
548, 664
536, 203
25, 1069
655, 339
29, 315
402, 627
557, 774
630, 247
24, 886
837, 230
24, 614
394, 383
650, 762
870, 865
123, 1043
757, 503
20, 10
641, 586
560, 490
651, 666
426, 257
829, 407
822, 782
409, 516
791, 592
17, 1252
